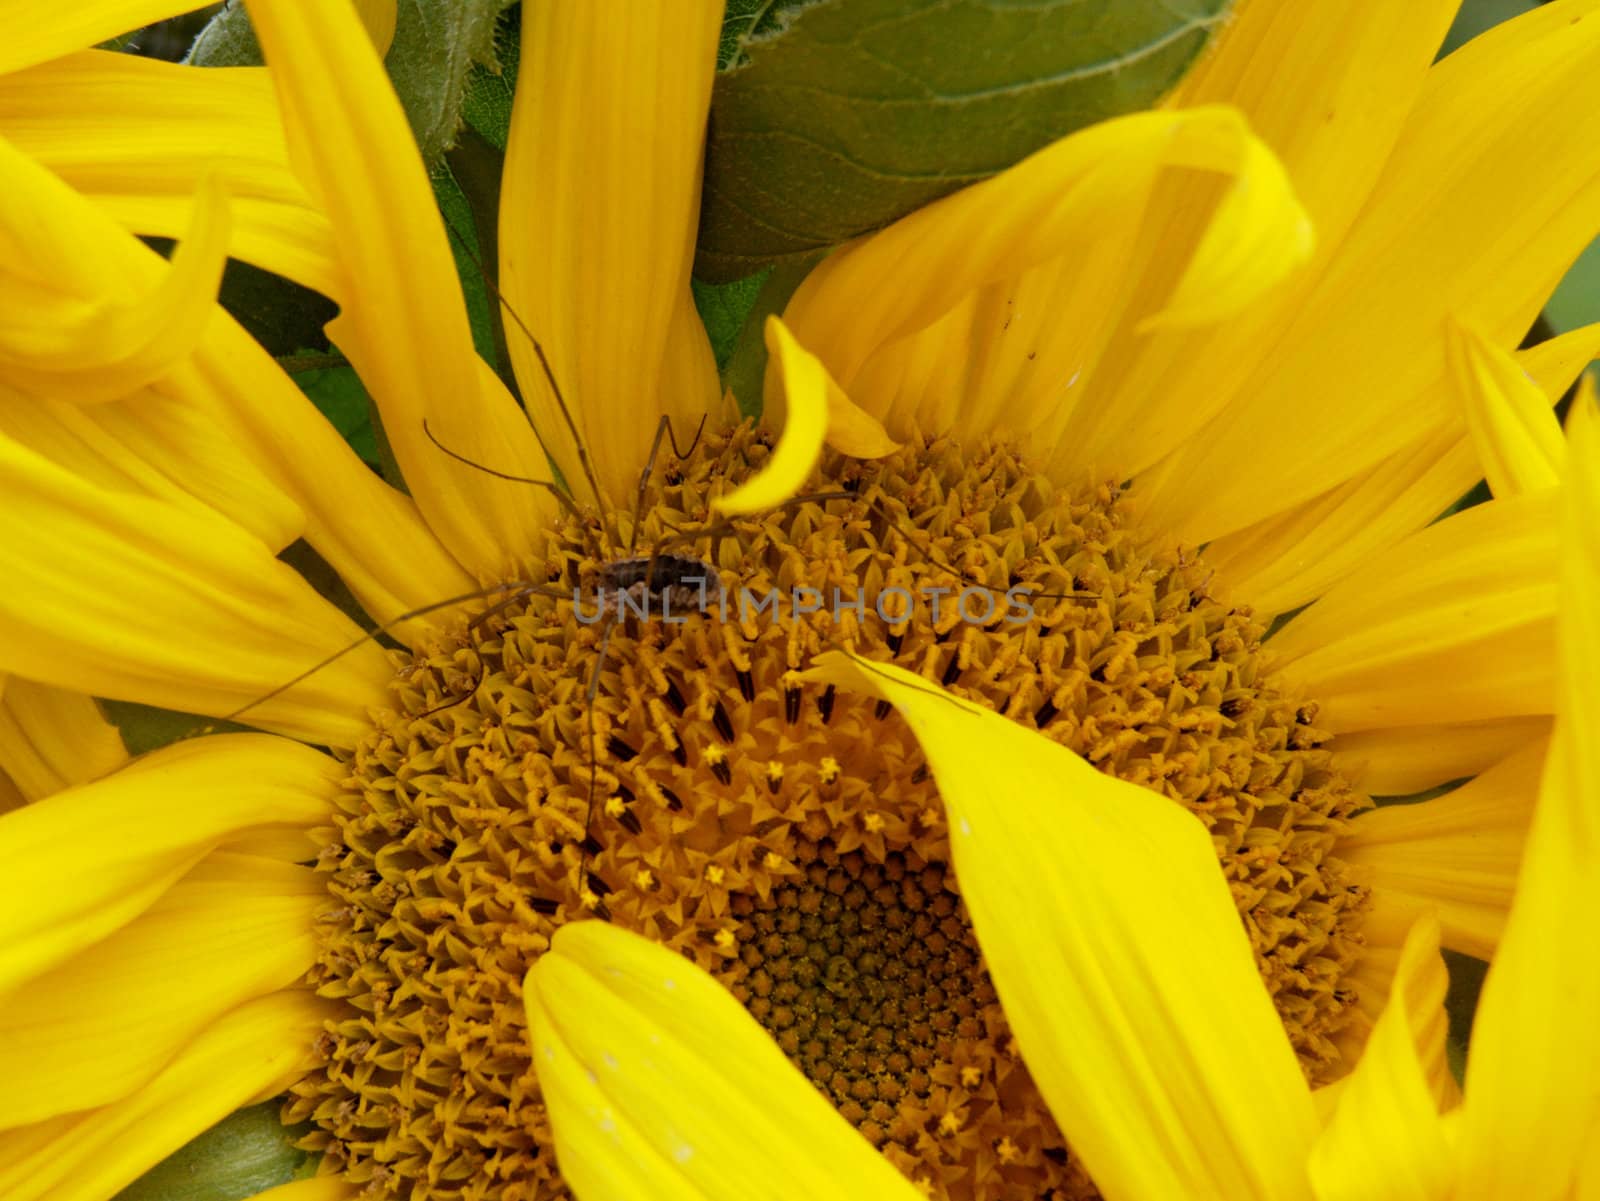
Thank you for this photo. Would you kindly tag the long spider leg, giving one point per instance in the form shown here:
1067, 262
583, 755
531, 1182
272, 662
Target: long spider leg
565, 501
473, 626
663, 427
385, 628
544, 365
699, 431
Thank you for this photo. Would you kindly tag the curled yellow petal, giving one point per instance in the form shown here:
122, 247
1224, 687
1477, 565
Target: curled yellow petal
1516, 434
1385, 1142
54, 738
1117, 951
136, 136
1055, 203
1470, 218
1258, 235
659, 1084
816, 411
107, 345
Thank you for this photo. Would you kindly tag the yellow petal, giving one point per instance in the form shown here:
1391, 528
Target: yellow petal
379, 18
233, 430
1385, 1142
1061, 208
101, 346
1258, 235
597, 224
1531, 1103
102, 1024
248, 1055
1454, 624
1455, 854
1290, 559
404, 324
660, 1084
88, 860
140, 444
1287, 560
1515, 434
137, 136
1472, 219
31, 39
373, 535
1403, 760
11, 797
318, 1188
97, 600
54, 738
813, 410
1355, 73
1117, 951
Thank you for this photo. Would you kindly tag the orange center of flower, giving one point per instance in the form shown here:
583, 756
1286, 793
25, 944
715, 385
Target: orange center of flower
788, 838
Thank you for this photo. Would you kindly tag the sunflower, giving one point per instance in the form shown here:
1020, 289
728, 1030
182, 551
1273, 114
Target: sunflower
1277, 322
641, 1055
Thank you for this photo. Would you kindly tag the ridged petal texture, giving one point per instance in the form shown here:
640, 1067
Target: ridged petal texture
102, 1024
661, 1085
1531, 1109
88, 860
403, 322
137, 136
1116, 948
817, 411
1070, 214
1385, 1142
596, 267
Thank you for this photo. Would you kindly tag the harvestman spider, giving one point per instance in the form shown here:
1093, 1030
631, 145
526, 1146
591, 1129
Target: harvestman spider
648, 581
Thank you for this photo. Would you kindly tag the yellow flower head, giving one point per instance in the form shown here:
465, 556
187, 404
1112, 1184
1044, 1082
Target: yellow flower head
907, 832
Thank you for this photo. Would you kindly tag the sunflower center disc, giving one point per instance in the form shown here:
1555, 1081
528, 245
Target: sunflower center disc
789, 839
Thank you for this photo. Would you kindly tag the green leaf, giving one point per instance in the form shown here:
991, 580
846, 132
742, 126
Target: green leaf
340, 396
435, 51
436, 46
745, 367
1577, 298
1477, 16
227, 40
242, 1155
838, 116
277, 312
723, 310
487, 105
144, 728
461, 227
1461, 1005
